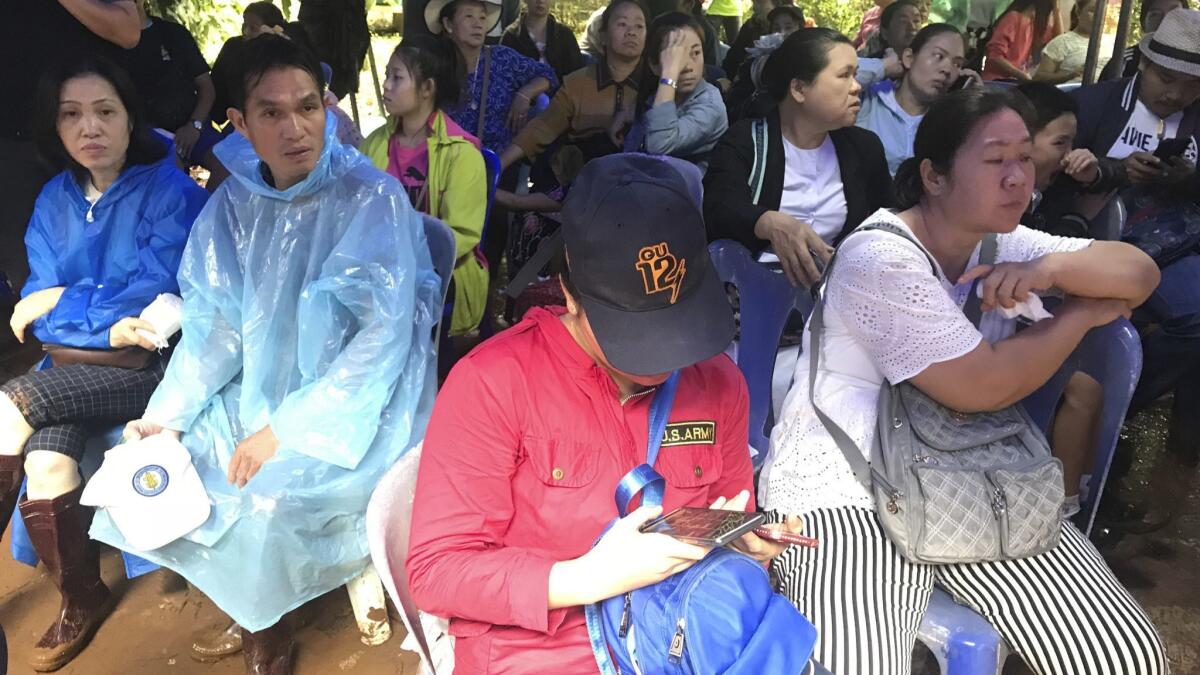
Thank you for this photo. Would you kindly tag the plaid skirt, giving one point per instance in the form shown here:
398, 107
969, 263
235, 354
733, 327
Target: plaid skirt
69, 404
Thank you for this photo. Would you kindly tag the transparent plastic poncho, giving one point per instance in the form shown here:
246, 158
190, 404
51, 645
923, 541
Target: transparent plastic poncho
312, 310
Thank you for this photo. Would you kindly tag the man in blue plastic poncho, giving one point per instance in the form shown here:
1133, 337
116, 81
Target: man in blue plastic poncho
306, 363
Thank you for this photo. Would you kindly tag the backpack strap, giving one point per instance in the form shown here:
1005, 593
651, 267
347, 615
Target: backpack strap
758, 170
855, 457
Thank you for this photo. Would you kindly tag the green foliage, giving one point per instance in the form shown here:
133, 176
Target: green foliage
210, 21
843, 15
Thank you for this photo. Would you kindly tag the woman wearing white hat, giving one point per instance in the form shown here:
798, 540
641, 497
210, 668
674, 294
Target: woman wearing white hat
500, 82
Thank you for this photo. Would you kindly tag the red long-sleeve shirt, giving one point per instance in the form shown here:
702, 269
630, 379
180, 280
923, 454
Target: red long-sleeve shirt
1013, 40
523, 453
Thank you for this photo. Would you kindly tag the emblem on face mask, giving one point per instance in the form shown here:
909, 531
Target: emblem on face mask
661, 270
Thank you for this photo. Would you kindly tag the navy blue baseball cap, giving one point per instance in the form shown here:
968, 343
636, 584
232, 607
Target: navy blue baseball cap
638, 254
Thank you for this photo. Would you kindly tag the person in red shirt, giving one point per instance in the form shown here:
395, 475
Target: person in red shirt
533, 430
1018, 37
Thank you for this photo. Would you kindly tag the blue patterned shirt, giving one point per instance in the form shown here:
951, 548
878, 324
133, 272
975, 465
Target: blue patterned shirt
510, 72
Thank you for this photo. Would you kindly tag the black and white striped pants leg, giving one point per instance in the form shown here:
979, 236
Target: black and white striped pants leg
864, 598
1063, 611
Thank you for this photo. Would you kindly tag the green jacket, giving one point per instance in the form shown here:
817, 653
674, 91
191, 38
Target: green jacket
457, 186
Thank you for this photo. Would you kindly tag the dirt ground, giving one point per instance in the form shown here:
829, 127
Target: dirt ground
150, 631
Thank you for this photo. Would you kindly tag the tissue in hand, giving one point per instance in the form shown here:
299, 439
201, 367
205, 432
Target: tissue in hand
166, 315
1031, 307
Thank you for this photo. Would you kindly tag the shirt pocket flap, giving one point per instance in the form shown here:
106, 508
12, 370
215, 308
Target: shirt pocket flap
689, 466
559, 463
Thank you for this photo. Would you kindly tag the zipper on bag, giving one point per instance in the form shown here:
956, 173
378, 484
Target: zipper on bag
626, 611
1000, 509
675, 654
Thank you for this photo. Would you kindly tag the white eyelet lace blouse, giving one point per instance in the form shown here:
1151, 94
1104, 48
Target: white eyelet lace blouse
886, 316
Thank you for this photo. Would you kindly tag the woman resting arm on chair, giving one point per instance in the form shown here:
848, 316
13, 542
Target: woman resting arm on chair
893, 311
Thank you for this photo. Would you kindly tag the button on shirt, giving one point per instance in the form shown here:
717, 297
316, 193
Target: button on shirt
521, 459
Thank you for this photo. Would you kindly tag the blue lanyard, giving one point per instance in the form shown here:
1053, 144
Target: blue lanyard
643, 478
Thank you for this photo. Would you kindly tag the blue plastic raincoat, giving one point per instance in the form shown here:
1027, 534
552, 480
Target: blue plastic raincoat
115, 256
312, 310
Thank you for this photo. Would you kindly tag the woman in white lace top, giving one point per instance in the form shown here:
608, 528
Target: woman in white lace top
888, 316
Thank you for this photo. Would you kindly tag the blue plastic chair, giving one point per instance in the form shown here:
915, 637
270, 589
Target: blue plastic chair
492, 163
1110, 222
440, 239
963, 642
766, 300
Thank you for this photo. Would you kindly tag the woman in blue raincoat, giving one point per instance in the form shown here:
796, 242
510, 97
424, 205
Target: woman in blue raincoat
105, 239
306, 366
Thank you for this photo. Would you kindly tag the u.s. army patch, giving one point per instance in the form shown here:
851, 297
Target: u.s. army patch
689, 433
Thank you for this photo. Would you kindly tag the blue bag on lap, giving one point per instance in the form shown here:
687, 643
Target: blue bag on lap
718, 616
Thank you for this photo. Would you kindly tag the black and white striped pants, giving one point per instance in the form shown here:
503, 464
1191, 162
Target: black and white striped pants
1063, 611
68, 404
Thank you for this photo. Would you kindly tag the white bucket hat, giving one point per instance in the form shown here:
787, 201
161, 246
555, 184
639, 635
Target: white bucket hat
150, 490
433, 11
1176, 43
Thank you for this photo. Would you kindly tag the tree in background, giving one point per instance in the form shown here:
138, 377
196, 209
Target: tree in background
209, 21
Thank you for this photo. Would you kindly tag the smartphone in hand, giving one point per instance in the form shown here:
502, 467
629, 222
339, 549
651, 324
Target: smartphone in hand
1172, 147
711, 528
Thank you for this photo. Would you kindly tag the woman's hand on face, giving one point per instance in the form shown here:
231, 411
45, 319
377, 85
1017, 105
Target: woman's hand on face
797, 245
33, 307
626, 559
674, 54
976, 80
1081, 165
124, 333
1006, 284
892, 66
518, 112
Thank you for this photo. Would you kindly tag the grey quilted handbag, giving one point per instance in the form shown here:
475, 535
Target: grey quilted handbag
951, 487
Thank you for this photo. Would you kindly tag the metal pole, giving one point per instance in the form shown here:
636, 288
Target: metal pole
375, 74
1122, 30
1093, 52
